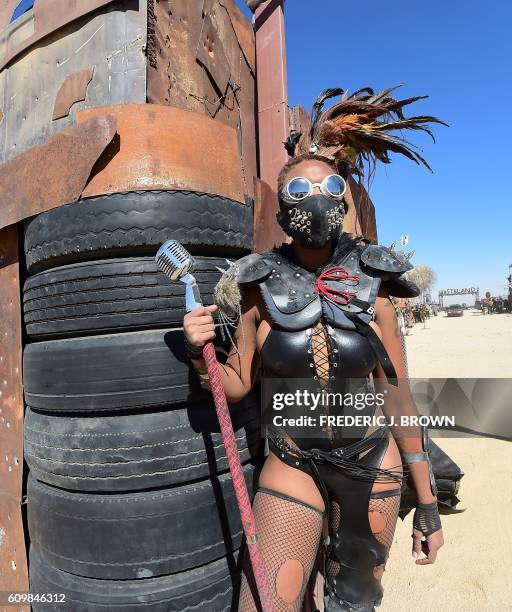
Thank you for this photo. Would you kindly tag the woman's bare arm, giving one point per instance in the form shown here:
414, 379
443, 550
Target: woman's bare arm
239, 371
399, 401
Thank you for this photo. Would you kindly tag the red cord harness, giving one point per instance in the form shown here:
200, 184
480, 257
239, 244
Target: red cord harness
336, 273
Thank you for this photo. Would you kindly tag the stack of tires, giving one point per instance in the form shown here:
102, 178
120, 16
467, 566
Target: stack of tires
130, 502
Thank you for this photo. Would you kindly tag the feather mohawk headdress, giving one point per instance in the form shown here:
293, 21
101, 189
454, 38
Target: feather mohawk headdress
357, 130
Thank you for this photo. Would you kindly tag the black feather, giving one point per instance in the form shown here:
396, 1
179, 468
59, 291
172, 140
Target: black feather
290, 144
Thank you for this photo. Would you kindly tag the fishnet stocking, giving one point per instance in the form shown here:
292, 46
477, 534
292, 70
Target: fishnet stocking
289, 534
332, 567
383, 514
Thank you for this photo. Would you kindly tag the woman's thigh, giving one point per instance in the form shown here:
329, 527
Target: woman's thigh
278, 476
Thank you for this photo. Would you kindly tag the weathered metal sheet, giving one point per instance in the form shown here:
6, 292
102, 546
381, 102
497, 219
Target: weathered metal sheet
13, 560
6, 10
244, 31
237, 105
49, 16
72, 90
267, 232
53, 174
11, 395
201, 58
13, 563
272, 89
210, 53
247, 127
113, 42
174, 76
161, 147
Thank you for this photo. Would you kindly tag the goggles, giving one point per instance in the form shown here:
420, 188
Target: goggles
298, 188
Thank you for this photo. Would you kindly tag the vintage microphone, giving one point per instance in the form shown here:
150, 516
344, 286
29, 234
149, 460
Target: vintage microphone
177, 263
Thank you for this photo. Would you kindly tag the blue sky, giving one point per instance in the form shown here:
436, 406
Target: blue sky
459, 52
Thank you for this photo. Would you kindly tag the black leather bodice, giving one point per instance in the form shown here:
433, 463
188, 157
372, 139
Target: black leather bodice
295, 303
294, 306
289, 354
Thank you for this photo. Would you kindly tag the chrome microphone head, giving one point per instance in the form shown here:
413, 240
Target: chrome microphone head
174, 259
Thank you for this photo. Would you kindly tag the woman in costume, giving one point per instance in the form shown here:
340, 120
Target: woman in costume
318, 309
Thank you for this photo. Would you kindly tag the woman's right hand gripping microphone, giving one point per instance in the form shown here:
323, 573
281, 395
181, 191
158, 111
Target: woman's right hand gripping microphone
199, 328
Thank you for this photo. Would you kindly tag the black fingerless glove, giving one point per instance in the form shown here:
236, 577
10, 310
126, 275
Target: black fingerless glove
426, 518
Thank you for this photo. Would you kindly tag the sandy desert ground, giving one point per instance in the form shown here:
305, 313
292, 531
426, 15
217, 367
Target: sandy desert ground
473, 570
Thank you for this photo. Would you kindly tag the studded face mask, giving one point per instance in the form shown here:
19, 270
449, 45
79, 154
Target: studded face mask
314, 220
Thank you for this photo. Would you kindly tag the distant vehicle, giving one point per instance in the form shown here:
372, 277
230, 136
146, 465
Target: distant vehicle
455, 310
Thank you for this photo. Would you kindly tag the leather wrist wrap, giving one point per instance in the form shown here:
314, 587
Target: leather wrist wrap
193, 351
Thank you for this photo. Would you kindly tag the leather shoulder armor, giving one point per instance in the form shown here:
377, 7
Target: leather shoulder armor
383, 259
391, 266
398, 286
252, 268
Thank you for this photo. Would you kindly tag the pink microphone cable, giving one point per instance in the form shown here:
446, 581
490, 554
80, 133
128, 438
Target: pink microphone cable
178, 264
235, 467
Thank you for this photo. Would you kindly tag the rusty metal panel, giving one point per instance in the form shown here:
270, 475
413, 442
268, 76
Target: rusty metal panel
272, 89
13, 562
210, 53
49, 16
247, 127
162, 147
11, 394
243, 30
13, 558
201, 58
174, 76
53, 174
113, 42
267, 231
72, 90
236, 106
